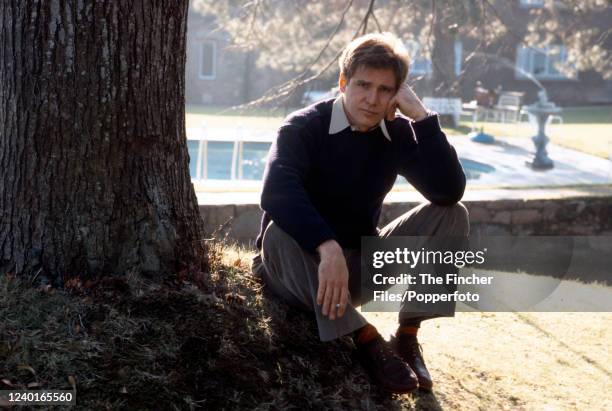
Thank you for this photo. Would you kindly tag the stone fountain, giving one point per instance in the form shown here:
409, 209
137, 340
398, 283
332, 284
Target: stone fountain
541, 110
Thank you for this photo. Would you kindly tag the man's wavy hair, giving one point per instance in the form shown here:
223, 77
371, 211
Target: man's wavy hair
377, 51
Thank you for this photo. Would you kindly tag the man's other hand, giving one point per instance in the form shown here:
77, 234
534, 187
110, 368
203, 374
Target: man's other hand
408, 103
333, 280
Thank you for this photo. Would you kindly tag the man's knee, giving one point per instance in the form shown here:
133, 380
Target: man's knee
429, 219
279, 250
274, 237
453, 220
270, 235
459, 219
270, 248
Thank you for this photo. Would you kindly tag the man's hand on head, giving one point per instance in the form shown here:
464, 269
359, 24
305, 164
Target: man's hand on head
333, 280
408, 103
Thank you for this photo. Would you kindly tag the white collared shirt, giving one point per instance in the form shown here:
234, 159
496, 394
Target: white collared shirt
339, 121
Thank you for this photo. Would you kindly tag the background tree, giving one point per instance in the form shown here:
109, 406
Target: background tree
571, 23
94, 164
306, 36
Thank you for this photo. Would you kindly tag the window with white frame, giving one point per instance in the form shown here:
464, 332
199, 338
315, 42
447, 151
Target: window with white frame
532, 3
458, 57
542, 63
208, 60
421, 65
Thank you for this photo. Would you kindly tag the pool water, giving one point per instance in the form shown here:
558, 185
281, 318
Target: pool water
474, 169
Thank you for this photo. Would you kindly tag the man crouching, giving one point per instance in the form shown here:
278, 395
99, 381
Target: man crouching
326, 177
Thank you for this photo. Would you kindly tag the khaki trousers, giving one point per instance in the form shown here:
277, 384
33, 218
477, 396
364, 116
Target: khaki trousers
292, 273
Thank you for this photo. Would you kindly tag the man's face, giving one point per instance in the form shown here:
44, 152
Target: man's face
367, 95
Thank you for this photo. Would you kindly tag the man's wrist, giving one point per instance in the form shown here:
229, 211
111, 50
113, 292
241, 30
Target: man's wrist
329, 248
422, 114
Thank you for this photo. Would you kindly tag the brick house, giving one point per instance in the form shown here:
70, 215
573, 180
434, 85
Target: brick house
218, 75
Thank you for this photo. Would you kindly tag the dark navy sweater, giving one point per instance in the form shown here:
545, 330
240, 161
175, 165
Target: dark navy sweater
318, 186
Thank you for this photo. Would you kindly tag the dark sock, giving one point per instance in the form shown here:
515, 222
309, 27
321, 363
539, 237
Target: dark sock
409, 326
406, 330
365, 334
411, 322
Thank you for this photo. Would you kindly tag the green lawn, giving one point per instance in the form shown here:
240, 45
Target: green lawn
582, 115
225, 117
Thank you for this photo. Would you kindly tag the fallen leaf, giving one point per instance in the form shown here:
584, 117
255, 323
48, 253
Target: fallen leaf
238, 262
72, 382
7, 382
28, 368
34, 385
234, 297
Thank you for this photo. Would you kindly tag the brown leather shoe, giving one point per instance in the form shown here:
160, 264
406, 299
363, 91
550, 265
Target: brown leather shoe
408, 348
385, 368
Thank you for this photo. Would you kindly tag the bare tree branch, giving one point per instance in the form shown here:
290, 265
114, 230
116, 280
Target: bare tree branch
376, 21
288, 88
518, 37
330, 38
367, 15
253, 19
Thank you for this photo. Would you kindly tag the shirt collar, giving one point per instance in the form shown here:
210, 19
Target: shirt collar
339, 121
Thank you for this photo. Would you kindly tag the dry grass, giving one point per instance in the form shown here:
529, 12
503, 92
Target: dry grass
214, 341
518, 361
523, 361
196, 340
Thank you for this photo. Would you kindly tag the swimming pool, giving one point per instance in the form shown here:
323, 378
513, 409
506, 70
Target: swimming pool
245, 160
234, 160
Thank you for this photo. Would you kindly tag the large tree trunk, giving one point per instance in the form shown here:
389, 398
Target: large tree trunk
94, 164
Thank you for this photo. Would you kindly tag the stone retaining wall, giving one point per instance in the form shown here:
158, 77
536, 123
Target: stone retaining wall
568, 216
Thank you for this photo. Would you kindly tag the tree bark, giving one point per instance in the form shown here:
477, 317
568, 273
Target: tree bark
443, 60
94, 163
444, 79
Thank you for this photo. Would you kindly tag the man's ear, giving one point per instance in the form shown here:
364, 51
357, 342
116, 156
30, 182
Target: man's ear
342, 83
